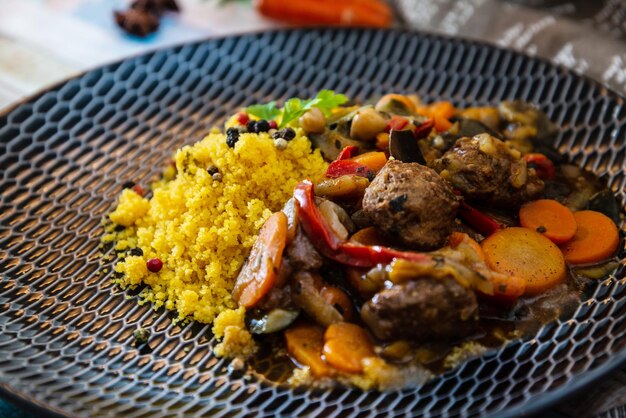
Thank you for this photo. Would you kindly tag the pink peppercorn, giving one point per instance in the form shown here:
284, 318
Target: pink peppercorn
154, 265
273, 124
242, 118
138, 189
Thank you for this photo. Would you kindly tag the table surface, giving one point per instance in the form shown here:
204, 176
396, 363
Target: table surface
32, 58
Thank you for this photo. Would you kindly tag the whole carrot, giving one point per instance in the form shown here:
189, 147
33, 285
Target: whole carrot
328, 12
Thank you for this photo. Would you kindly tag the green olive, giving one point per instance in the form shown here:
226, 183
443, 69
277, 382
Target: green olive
366, 124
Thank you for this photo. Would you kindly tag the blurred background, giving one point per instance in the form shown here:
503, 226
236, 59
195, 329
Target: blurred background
43, 42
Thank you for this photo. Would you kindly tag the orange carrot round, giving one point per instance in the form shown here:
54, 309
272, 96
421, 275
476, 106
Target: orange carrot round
382, 141
457, 238
374, 160
506, 288
550, 218
441, 112
596, 238
339, 299
346, 346
525, 254
258, 275
305, 343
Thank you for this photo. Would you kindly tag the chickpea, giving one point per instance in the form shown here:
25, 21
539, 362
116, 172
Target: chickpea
313, 121
366, 124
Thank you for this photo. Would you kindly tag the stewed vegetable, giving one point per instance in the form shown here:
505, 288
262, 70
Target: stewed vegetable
433, 229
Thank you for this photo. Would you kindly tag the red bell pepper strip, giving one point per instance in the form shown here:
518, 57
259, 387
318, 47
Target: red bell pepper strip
358, 255
329, 245
424, 129
345, 167
397, 123
542, 164
313, 222
478, 220
348, 152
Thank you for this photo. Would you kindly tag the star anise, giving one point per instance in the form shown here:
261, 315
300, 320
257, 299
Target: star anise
156, 6
137, 22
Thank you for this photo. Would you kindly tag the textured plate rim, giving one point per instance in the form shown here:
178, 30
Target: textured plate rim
532, 406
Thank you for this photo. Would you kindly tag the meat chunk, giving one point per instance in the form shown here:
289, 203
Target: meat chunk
301, 253
412, 202
485, 169
424, 309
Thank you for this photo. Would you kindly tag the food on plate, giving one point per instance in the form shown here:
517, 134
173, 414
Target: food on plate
374, 244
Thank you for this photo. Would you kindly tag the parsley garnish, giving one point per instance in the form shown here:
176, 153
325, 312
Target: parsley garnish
326, 100
267, 111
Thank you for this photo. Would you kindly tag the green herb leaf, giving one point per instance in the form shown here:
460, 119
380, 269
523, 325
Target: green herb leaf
267, 111
293, 109
326, 101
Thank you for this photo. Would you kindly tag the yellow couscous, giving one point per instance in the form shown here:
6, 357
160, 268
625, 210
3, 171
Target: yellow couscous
372, 275
236, 341
200, 225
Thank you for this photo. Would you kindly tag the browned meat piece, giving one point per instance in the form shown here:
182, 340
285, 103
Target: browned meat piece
486, 170
277, 298
412, 202
422, 310
301, 253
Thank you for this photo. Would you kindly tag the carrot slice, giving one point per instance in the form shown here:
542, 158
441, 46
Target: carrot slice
442, 109
374, 160
442, 124
441, 112
339, 300
346, 346
550, 218
382, 141
596, 238
258, 275
506, 288
525, 254
457, 238
305, 343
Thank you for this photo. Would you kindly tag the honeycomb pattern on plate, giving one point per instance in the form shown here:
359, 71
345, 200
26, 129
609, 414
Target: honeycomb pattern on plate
66, 339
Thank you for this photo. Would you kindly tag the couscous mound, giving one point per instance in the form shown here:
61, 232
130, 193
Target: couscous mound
236, 341
202, 223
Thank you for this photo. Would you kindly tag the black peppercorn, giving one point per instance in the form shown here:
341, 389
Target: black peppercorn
212, 169
232, 131
136, 252
262, 126
232, 136
251, 126
128, 185
286, 133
